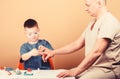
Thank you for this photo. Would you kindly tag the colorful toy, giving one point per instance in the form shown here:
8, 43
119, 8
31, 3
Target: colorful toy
17, 71
1, 68
28, 72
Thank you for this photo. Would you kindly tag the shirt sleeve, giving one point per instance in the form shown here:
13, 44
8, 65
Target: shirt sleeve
108, 30
23, 49
47, 44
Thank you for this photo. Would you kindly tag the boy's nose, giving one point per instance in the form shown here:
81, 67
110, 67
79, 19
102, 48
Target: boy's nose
33, 35
86, 9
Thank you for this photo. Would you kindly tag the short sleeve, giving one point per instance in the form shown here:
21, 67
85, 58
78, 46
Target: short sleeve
47, 44
23, 49
108, 29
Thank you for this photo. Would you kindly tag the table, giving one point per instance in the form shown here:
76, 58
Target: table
35, 74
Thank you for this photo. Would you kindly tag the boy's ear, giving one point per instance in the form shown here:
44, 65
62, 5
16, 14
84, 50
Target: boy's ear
100, 2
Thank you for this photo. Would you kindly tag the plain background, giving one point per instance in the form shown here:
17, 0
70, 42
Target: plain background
60, 22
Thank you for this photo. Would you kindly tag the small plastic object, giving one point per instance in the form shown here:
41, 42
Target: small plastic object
8, 69
17, 71
1, 68
38, 69
9, 73
28, 72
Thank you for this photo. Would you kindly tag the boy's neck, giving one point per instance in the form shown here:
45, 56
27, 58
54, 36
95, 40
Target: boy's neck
31, 42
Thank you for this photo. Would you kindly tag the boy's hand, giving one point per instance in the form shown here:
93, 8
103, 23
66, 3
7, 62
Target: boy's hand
41, 49
34, 52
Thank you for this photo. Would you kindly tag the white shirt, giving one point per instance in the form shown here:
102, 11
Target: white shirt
105, 27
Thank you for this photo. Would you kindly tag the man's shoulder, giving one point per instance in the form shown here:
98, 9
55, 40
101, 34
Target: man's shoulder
111, 18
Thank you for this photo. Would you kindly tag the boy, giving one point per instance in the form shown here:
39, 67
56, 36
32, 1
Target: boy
30, 51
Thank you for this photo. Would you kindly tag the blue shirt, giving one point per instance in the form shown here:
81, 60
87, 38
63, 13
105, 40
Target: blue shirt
35, 62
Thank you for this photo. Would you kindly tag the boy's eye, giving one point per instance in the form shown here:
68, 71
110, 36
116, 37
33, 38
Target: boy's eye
36, 33
29, 34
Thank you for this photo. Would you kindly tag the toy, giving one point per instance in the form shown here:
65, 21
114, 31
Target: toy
17, 71
8, 68
28, 72
1, 68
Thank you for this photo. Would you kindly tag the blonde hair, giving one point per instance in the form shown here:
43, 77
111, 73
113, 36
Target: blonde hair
103, 1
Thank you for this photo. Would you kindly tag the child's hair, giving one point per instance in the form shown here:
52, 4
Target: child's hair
29, 23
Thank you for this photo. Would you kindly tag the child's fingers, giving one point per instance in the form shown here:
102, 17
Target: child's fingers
41, 48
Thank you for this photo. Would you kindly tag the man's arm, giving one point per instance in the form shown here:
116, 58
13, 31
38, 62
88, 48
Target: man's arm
99, 48
78, 44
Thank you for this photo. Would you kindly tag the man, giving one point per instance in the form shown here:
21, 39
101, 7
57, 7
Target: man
101, 40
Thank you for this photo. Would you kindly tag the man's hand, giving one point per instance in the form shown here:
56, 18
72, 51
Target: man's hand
48, 54
44, 52
67, 73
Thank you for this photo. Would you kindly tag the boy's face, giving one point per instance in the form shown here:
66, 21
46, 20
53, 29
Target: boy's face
32, 34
